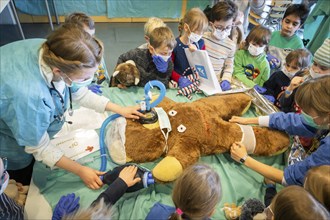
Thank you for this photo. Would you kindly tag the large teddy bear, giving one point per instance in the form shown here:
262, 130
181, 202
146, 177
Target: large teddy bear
198, 128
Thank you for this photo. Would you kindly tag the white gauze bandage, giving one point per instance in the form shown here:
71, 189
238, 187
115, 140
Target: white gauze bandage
248, 138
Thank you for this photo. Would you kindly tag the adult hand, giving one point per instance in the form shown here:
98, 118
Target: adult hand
225, 85
184, 82
91, 177
273, 61
128, 175
66, 205
160, 63
95, 88
260, 89
237, 151
270, 98
131, 112
295, 82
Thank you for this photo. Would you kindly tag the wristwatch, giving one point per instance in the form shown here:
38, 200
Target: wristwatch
243, 159
288, 92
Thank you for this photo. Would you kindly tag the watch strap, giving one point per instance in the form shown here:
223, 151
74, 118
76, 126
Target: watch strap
243, 159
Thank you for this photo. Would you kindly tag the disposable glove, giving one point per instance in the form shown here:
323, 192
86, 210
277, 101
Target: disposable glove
66, 205
184, 82
160, 63
95, 88
260, 89
225, 85
273, 61
270, 98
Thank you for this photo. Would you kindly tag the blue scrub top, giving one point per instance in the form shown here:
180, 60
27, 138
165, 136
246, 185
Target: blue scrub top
28, 107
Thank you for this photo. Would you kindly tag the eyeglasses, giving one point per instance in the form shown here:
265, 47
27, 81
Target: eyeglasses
5, 163
221, 28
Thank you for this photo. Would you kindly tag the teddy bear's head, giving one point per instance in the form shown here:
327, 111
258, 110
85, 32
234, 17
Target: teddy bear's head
125, 75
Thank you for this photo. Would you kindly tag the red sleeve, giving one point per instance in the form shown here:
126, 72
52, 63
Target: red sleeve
203, 47
175, 76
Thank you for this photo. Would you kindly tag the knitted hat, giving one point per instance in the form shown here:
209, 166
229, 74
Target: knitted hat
322, 55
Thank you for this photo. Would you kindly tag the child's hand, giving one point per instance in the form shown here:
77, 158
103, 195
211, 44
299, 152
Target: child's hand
91, 177
295, 82
131, 112
128, 175
192, 47
273, 61
237, 151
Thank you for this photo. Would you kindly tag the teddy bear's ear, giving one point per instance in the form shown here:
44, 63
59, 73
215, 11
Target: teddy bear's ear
115, 73
130, 62
137, 80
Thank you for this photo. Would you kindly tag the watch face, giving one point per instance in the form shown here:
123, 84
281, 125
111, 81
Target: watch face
242, 160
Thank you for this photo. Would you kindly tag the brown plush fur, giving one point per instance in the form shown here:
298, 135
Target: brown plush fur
126, 76
208, 131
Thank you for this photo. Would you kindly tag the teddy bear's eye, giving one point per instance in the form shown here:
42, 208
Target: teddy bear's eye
172, 113
181, 128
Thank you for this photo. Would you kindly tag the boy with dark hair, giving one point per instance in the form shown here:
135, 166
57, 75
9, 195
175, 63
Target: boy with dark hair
284, 41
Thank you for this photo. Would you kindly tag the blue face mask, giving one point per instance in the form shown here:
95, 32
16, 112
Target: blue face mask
309, 120
77, 85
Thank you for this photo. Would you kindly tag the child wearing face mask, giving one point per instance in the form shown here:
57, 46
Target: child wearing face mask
155, 62
220, 47
284, 41
191, 28
295, 65
250, 64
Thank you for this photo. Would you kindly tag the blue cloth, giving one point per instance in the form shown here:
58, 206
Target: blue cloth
294, 125
28, 107
160, 211
180, 60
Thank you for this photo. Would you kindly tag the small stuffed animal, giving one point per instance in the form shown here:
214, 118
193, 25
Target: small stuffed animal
231, 211
125, 75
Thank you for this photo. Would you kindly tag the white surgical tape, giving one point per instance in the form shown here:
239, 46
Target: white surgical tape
115, 140
164, 123
248, 138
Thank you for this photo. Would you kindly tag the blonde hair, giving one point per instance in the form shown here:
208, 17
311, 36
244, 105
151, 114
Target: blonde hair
81, 20
162, 36
317, 183
195, 19
71, 49
99, 211
294, 202
300, 57
151, 24
314, 94
196, 192
259, 34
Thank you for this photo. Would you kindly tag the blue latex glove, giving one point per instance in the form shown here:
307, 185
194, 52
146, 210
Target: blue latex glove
260, 89
160, 63
270, 98
95, 88
184, 82
225, 85
273, 61
66, 205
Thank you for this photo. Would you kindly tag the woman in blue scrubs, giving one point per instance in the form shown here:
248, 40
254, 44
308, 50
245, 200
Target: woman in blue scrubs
39, 80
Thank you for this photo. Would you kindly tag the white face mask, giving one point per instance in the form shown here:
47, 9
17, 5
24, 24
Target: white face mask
194, 37
315, 75
164, 124
256, 51
221, 35
286, 72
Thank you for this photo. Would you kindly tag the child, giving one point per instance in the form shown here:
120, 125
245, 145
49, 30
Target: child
250, 64
86, 23
284, 41
191, 28
149, 26
9, 209
317, 183
294, 202
153, 63
195, 195
220, 47
295, 64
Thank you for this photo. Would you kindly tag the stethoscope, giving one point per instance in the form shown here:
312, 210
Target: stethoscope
70, 110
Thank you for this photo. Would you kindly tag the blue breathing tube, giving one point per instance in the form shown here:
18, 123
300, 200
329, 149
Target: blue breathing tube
149, 106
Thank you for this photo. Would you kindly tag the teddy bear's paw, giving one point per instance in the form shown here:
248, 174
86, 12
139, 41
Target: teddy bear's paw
167, 170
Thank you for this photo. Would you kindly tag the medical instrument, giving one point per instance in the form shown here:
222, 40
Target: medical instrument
148, 107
